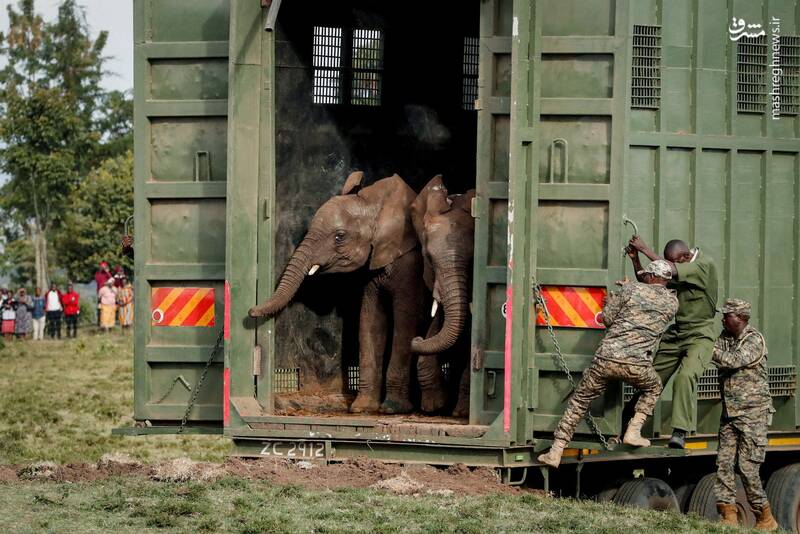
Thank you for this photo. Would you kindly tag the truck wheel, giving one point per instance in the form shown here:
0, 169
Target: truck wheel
783, 492
648, 493
703, 501
683, 493
609, 491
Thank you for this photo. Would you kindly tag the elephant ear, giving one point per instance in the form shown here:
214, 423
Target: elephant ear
463, 202
394, 232
353, 183
420, 205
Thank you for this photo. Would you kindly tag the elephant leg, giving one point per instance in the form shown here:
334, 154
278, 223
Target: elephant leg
462, 406
372, 343
404, 282
429, 373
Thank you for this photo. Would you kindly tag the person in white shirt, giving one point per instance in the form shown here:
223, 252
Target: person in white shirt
54, 310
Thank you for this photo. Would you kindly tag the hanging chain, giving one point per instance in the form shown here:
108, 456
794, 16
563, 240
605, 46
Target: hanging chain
199, 385
562, 363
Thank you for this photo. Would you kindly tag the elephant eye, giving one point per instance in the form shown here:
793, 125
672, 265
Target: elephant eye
339, 237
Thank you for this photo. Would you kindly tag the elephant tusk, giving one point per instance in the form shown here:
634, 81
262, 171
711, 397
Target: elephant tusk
313, 269
434, 308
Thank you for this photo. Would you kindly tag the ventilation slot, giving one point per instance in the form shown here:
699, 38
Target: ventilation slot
352, 378
286, 380
751, 75
327, 62
367, 67
470, 87
646, 61
790, 77
782, 380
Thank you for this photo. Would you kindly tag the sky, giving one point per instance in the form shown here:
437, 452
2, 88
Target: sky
115, 16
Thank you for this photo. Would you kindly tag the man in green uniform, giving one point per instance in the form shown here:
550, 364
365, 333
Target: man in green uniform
686, 347
636, 316
740, 354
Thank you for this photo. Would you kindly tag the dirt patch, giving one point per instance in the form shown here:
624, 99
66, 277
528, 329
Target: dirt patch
352, 473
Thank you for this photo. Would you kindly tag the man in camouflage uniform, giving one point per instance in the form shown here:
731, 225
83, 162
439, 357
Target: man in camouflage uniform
740, 354
635, 316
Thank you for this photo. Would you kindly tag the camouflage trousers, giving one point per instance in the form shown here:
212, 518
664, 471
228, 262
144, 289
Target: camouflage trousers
742, 448
595, 381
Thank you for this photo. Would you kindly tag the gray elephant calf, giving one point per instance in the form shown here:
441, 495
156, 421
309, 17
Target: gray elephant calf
446, 230
370, 226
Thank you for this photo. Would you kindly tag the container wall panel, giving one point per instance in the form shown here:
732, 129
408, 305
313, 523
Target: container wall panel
181, 91
588, 136
198, 20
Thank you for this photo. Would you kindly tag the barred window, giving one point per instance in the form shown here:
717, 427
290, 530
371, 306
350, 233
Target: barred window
790, 75
469, 93
367, 67
751, 75
327, 63
646, 67
353, 75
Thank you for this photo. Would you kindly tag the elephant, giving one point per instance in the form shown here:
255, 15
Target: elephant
370, 227
446, 229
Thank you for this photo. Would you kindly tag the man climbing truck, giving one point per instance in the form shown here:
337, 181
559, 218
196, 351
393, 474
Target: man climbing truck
636, 316
686, 347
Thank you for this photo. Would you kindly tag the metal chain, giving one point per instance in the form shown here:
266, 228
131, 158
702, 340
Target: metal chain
562, 363
199, 384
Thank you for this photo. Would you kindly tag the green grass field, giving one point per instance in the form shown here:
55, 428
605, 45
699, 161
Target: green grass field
60, 400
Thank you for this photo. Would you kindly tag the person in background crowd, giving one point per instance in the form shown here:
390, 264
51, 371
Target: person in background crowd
108, 305
3, 296
9, 316
54, 310
100, 277
127, 246
119, 277
37, 314
24, 305
125, 303
72, 308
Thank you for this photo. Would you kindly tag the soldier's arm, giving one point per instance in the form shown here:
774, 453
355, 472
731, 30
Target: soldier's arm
615, 302
739, 355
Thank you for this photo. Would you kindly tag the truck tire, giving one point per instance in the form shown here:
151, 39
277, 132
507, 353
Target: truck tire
683, 493
703, 501
783, 492
648, 493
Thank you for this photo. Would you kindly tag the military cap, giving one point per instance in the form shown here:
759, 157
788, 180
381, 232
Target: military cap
738, 306
660, 268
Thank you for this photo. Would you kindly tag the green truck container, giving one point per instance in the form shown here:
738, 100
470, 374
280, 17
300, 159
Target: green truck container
569, 117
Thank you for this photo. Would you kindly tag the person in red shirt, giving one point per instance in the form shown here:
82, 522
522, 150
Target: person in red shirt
119, 277
72, 308
100, 278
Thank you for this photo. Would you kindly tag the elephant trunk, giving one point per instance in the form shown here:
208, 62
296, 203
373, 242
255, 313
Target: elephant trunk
452, 276
292, 277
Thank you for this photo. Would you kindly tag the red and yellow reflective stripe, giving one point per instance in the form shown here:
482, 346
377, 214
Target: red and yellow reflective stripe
571, 306
182, 306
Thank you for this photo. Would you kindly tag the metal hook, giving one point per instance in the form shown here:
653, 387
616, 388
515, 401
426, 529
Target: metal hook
127, 222
625, 221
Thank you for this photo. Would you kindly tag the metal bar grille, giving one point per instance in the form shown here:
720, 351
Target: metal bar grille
469, 92
352, 378
646, 67
782, 383
790, 77
327, 63
751, 75
286, 380
367, 67
782, 380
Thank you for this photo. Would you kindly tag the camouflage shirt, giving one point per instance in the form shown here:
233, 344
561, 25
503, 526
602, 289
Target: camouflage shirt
743, 375
636, 316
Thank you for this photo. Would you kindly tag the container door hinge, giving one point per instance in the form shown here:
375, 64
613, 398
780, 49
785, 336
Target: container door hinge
266, 209
477, 207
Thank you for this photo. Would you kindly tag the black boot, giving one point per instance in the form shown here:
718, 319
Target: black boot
678, 439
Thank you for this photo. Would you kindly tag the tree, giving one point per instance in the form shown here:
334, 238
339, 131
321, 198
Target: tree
56, 122
97, 211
